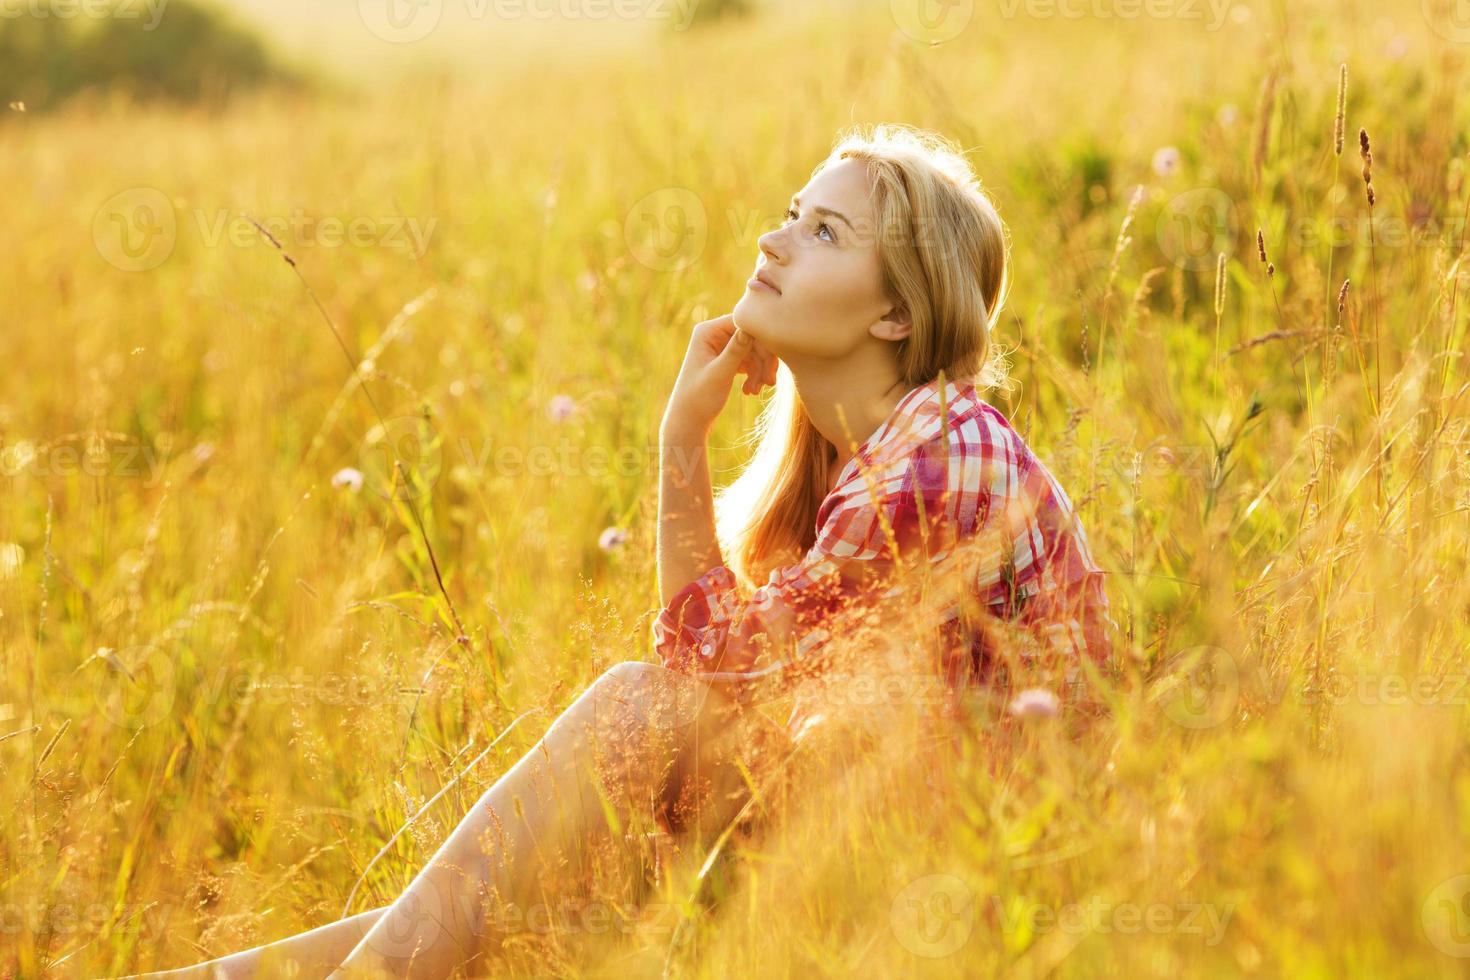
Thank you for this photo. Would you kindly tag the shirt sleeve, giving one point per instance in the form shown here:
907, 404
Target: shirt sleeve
869, 523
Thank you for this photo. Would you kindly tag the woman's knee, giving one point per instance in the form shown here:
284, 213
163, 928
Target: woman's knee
638, 694
631, 674
626, 722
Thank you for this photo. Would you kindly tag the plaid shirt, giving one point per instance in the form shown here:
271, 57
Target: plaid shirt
921, 473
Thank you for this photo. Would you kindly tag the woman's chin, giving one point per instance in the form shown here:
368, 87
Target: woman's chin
753, 318
748, 316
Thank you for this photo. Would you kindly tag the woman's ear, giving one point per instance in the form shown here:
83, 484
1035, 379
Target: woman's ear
894, 326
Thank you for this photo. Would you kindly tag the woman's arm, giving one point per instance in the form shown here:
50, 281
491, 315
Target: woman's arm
687, 546
718, 351
899, 516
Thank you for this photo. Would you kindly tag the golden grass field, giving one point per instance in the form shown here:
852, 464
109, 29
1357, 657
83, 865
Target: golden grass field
226, 681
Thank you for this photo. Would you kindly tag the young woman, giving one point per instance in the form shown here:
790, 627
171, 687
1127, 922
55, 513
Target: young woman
870, 314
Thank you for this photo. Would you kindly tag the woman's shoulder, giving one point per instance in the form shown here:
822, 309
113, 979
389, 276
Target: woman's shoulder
967, 431
976, 458
935, 414
940, 433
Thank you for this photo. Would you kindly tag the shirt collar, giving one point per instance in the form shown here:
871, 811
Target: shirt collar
914, 420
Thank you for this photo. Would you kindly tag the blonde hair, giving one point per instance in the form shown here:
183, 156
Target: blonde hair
942, 246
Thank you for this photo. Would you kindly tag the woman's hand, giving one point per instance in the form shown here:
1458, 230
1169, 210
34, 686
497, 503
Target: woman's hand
718, 351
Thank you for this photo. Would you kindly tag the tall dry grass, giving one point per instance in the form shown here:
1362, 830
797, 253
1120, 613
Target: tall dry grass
227, 682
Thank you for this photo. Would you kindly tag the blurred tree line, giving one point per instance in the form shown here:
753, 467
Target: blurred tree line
53, 50
707, 11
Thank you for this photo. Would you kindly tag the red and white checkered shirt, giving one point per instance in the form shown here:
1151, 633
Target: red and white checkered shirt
964, 469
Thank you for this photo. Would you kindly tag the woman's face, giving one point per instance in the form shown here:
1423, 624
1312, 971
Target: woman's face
827, 270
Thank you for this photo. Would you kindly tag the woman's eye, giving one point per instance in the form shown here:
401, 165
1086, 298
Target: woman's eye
791, 215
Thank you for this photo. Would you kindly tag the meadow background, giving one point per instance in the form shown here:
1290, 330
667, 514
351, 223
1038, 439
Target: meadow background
230, 654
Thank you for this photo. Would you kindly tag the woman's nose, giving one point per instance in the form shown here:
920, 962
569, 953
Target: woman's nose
773, 245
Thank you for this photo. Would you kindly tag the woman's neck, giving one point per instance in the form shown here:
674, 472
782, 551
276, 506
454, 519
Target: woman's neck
846, 407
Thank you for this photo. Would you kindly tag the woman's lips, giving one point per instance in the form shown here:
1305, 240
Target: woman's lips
757, 283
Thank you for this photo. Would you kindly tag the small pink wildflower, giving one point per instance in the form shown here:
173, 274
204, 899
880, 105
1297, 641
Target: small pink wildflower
1034, 702
561, 408
349, 478
1166, 161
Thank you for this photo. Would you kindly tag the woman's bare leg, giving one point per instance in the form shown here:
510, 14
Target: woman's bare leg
623, 745
711, 731
311, 954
